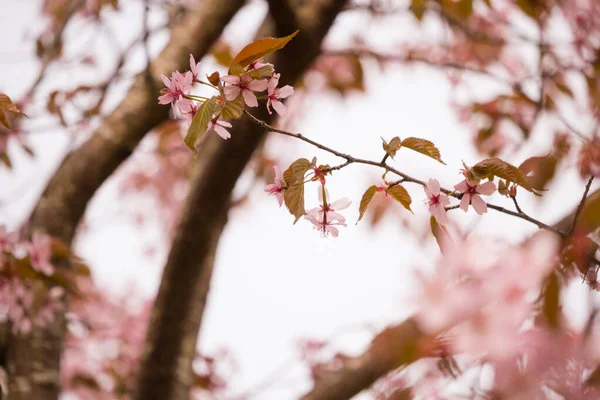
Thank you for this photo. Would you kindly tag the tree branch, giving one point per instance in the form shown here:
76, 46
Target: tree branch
33, 361
165, 371
394, 347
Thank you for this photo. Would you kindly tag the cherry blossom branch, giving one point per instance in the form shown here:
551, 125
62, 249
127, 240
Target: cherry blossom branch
581, 204
405, 178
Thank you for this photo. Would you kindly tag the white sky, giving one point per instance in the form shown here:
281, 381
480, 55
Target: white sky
274, 282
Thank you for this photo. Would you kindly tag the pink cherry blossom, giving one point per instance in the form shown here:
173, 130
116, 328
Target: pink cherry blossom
471, 195
219, 126
275, 95
40, 253
436, 201
188, 109
245, 85
257, 64
194, 67
7, 242
325, 218
176, 87
278, 186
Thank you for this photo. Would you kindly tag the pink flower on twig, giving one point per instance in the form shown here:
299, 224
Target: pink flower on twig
471, 195
436, 201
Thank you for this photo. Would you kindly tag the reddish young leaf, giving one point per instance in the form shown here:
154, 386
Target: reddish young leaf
293, 195
6, 104
400, 194
366, 199
539, 170
423, 146
233, 109
392, 147
260, 48
491, 167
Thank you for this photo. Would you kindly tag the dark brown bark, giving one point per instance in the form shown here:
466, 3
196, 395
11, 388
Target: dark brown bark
33, 361
165, 372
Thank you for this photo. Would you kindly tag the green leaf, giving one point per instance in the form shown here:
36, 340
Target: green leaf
366, 199
200, 123
260, 48
233, 109
236, 69
491, 167
400, 194
392, 147
262, 72
423, 146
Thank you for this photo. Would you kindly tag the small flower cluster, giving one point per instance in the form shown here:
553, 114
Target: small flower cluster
325, 218
471, 191
25, 301
255, 78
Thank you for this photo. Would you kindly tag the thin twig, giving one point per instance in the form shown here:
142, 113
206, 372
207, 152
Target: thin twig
405, 178
514, 199
581, 203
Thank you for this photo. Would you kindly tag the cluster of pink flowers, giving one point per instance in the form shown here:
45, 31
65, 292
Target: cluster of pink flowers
471, 191
326, 217
255, 78
27, 302
484, 298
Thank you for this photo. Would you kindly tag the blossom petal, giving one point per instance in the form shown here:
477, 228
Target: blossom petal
333, 230
272, 85
233, 79
439, 213
333, 217
258, 85
434, 186
464, 203
224, 133
478, 204
486, 188
462, 186
279, 107
166, 81
231, 92
285, 91
443, 200
249, 98
166, 99
341, 204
